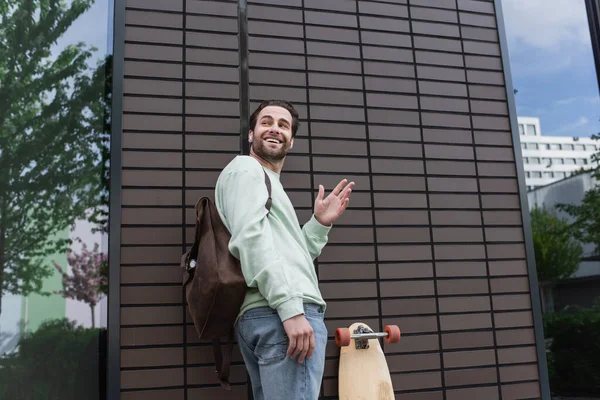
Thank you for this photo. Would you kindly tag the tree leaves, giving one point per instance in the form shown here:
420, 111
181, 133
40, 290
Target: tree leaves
586, 215
53, 138
557, 253
587, 218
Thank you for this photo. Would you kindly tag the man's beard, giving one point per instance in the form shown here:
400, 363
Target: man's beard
261, 150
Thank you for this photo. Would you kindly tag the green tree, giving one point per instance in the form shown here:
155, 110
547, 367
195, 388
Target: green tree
52, 159
557, 252
586, 215
586, 225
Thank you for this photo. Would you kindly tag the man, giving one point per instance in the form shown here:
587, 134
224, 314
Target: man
280, 328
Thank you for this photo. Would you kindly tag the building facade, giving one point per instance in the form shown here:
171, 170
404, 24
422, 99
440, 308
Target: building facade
548, 159
410, 99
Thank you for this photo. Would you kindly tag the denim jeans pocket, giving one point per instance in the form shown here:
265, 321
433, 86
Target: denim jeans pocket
312, 313
263, 333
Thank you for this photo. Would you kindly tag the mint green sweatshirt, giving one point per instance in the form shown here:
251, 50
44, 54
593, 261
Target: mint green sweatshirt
275, 253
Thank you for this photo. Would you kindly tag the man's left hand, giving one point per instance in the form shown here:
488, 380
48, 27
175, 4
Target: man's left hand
330, 208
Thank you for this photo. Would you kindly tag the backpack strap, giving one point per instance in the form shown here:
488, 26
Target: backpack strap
223, 359
268, 183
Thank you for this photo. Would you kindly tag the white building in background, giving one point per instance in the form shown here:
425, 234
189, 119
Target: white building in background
548, 159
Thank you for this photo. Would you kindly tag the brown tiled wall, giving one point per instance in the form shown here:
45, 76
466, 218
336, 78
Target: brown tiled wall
404, 97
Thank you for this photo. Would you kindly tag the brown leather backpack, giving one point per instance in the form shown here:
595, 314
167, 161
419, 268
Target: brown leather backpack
214, 284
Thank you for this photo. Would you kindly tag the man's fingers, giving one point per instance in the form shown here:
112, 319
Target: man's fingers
305, 348
339, 187
300, 334
311, 346
299, 346
292, 346
321, 193
345, 204
347, 190
342, 207
345, 194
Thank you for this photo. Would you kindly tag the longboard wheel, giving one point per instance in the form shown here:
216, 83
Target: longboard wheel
393, 334
342, 337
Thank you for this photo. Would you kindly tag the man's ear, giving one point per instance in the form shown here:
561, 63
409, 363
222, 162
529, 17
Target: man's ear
250, 136
292, 143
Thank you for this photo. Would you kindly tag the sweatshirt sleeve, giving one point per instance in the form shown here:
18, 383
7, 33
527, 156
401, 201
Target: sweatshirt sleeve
242, 199
316, 236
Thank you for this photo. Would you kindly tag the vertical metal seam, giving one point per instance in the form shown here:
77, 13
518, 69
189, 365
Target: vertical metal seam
308, 128
372, 194
480, 201
524, 205
183, 189
113, 374
427, 194
244, 76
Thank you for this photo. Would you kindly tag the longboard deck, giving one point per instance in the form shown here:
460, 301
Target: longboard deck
364, 374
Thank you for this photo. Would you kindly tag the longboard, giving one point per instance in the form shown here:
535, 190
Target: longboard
363, 371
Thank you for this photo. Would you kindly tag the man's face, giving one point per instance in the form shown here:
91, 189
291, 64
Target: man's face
272, 135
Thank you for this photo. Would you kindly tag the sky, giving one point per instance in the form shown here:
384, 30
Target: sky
91, 28
552, 65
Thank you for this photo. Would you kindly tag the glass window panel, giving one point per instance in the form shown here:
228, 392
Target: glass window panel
53, 326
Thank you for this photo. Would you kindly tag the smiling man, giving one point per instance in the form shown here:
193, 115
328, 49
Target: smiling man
280, 329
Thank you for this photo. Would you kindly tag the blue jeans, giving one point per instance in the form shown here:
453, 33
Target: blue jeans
264, 346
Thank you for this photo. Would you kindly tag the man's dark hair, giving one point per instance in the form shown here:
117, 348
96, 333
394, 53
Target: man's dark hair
279, 103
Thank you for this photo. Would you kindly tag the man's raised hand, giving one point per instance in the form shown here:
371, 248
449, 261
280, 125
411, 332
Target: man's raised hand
330, 208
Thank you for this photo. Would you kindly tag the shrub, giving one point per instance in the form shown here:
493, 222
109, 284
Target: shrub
574, 351
59, 361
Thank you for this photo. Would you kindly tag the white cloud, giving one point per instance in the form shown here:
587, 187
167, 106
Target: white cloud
565, 102
579, 99
546, 24
571, 127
